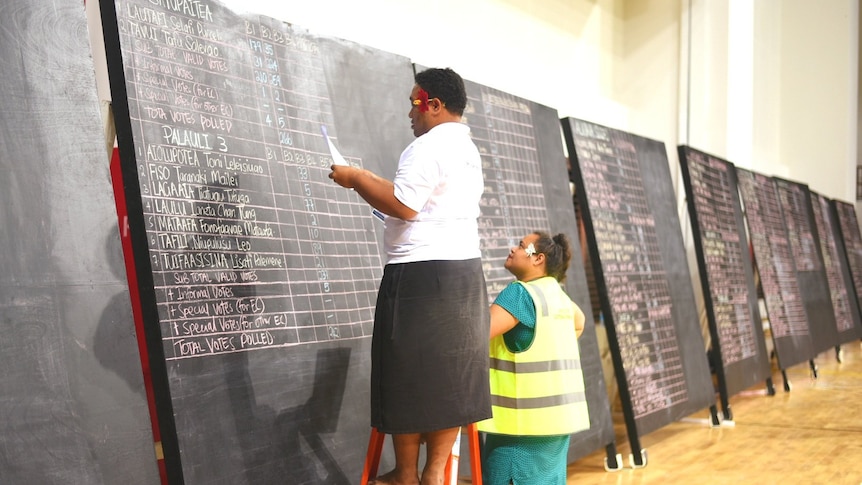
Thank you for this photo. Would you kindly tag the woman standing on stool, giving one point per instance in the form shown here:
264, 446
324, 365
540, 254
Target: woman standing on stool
537, 385
429, 363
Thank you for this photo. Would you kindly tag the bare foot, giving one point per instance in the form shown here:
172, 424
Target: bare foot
393, 478
429, 478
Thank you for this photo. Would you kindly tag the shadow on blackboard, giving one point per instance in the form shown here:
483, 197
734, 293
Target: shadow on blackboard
114, 342
297, 453
283, 447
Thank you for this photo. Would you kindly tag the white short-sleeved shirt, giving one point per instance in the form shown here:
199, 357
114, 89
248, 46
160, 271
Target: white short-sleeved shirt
439, 176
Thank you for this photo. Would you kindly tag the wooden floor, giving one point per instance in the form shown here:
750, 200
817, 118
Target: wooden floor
810, 435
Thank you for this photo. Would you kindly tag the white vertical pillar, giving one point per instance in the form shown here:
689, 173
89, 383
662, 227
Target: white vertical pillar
740, 81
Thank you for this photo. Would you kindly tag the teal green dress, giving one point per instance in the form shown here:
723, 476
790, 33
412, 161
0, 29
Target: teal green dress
522, 460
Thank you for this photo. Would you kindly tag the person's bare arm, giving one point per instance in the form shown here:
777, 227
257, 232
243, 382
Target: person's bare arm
377, 191
580, 319
501, 320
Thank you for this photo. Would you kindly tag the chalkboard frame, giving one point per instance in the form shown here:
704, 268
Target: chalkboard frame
813, 284
138, 238
846, 227
823, 205
251, 406
792, 349
699, 389
738, 376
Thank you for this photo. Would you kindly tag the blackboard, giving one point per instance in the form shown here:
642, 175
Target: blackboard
73, 406
848, 236
848, 323
726, 271
773, 256
257, 275
527, 189
795, 200
626, 197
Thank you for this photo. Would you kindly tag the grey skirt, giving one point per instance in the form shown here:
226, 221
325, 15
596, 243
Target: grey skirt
429, 350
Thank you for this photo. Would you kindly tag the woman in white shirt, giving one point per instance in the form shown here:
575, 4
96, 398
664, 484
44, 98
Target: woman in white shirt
429, 372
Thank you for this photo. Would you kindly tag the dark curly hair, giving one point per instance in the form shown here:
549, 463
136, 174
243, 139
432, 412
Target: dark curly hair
557, 251
445, 85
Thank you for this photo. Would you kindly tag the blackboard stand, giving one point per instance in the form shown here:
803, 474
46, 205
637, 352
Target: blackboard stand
614, 460
787, 386
737, 351
723, 394
772, 214
623, 191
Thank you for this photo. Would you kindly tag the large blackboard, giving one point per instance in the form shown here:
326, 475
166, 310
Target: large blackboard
848, 235
72, 403
726, 271
257, 274
795, 200
848, 323
626, 197
773, 256
527, 189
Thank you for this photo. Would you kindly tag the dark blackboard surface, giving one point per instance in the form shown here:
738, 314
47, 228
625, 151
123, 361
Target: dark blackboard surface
73, 404
795, 200
527, 189
773, 256
848, 323
258, 275
726, 270
847, 235
626, 198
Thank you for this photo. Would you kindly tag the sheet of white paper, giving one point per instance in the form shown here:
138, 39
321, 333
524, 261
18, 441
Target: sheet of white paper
337, 159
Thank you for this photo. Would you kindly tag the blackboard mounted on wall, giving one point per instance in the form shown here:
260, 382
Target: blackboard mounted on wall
847, 226
72, 402
773, 258
795, 200
257, 274
527, 189
726, 273
625, 195
848, 323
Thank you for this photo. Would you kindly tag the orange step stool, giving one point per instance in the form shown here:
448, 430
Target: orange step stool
375, 449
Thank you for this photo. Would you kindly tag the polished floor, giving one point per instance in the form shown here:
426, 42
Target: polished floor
809, 435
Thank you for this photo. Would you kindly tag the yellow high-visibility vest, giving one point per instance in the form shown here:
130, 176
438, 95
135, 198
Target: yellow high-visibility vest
540, 391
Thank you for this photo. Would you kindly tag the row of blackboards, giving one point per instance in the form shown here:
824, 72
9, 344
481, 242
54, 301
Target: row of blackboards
802, 247
255, 277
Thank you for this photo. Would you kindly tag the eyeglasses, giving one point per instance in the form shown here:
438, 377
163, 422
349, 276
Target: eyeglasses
418, 102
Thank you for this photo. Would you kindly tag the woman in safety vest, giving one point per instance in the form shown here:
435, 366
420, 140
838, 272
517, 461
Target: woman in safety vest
537, 385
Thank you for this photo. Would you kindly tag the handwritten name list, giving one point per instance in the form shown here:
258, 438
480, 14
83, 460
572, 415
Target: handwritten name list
251, 245
722, 247
513, 203
832, 261
774, 255
637, 286
852, 239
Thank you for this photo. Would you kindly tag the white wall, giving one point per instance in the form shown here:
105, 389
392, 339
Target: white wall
774, 88
819, 89
770, 85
